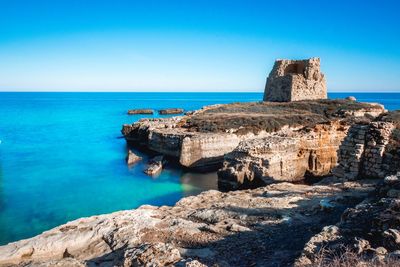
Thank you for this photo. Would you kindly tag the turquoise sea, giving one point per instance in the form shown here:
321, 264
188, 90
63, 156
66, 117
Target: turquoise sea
62, 156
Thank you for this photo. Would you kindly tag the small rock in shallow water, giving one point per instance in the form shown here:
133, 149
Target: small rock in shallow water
140, 111
132, 158
155, 165
170, 111
351, 98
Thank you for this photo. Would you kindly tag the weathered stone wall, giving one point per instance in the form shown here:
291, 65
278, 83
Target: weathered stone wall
365, 152
350, 154
377, 138
293, 80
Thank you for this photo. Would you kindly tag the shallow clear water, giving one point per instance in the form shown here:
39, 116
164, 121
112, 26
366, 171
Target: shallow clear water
62, 156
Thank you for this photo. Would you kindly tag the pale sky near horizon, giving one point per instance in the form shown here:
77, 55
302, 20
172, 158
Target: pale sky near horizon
173, 45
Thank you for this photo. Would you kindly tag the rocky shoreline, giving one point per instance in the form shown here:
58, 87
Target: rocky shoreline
227, 229
308, 182
248, 227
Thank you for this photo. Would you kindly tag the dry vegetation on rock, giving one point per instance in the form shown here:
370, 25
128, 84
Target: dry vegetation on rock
270, 116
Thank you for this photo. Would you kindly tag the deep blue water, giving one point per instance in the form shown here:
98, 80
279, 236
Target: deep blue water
61, 156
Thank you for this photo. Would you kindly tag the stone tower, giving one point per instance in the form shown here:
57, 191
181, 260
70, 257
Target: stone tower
293, 80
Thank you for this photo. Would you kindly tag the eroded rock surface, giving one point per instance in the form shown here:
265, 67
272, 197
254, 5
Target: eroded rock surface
290, 154
241, 228
371, 229
283, 157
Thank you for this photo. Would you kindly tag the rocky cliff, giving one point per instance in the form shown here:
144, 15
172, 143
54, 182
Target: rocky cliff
286, 156
202, 139
293, 153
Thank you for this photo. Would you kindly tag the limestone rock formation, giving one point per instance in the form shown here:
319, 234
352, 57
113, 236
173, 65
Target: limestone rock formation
140, 111
155, 165
287, 156
170, 111
192, 149
240, 228
292, 153
201, 139
132, 158
293, 80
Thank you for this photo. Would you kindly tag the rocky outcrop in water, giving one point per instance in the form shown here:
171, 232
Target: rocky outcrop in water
140, 111
202, 139
155, 165
132, 158
169, 111
201, 150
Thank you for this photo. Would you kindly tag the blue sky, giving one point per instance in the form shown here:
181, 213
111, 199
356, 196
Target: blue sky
226, 45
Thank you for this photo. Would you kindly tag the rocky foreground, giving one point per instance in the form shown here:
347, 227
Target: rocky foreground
268, 226
282, 224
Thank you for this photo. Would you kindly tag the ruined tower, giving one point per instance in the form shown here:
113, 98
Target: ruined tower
293, 80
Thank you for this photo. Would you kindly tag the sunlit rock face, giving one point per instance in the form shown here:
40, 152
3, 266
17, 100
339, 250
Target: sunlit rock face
288, 156
294, 80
